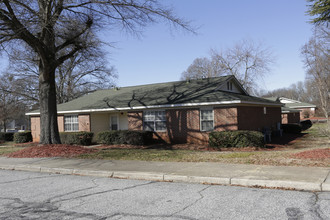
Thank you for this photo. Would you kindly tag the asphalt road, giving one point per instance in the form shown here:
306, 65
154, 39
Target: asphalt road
28, 195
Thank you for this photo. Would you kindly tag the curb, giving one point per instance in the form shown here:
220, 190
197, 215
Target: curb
325, 187
197, 179
298, 185
294, 185
139, 176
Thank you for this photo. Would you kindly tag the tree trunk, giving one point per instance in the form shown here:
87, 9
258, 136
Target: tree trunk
4, 126
48, 111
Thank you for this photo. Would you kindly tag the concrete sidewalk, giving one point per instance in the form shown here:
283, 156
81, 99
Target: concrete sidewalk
300, 178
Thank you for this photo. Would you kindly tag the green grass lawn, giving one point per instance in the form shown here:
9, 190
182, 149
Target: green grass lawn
165, 155
8, 149
314, 138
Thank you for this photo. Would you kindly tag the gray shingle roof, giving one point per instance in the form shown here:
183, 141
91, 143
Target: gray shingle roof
160, 94
295, 104
300, 105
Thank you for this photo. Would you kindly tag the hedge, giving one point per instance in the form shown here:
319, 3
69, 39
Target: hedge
292, 128
125, 137
79, 138
306, 124
224, 139
7, 136
23, 137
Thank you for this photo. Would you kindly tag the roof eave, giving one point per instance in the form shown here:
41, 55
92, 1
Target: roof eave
160, 106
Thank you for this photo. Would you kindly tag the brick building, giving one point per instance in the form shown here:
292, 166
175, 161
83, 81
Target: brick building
294, 111
178, 112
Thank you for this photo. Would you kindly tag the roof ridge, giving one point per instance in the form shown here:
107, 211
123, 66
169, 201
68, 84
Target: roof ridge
170, 82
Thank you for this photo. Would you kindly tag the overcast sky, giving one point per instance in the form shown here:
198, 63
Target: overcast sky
161, 55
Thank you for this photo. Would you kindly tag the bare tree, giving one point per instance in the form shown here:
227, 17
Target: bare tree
297, 91
10, 104
246, 60
78, 75
316, 57
56, 30
201, 68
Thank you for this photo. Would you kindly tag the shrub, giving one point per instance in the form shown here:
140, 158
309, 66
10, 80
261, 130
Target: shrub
125, 137
292, 128
23, 137
306, 124
79, 138
2, 136
107, 137
7, 136
222, 139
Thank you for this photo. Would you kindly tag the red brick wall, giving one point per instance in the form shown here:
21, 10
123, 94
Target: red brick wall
290, 118
306, 113
60, 122
35, 128
84, 122
284, 118
253, 118
225, 119
135, 120
183, 126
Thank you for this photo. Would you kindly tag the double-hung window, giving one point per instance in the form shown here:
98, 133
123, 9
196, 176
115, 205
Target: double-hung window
71, 123
206, 116
154, 120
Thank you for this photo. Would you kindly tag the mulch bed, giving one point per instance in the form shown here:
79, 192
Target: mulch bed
51, 150
195, 147
313, 154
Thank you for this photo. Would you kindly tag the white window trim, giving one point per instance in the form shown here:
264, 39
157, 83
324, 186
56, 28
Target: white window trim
118, 127
64, 122
159, 110
200, 118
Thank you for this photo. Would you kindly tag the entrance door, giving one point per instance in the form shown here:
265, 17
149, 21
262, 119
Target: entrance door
114, 122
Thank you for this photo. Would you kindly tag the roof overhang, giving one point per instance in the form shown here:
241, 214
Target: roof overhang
237, 102
294, 107
287, 111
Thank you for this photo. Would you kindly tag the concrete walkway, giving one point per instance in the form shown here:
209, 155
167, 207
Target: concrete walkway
299, 178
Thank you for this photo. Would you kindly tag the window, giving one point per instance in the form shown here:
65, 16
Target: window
206, 119
265, 110
114, 122
229, 86
154, 120
71, 123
